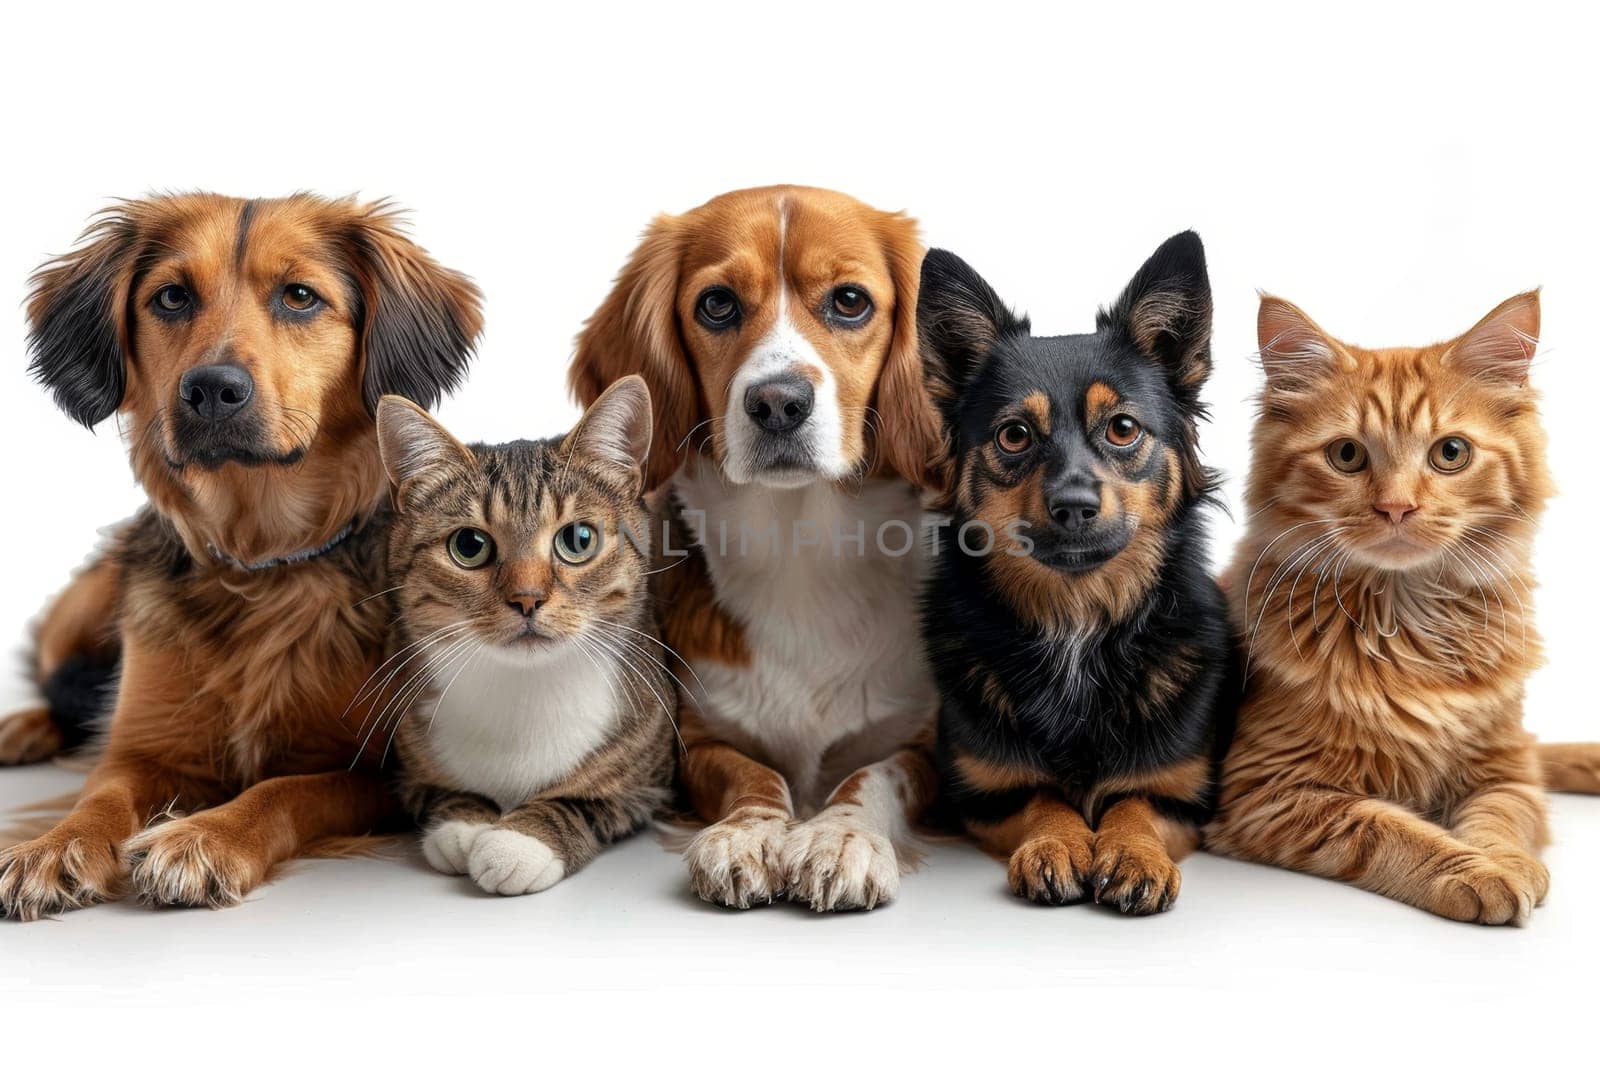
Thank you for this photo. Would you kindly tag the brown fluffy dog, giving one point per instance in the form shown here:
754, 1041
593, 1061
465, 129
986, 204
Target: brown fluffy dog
245, 345
776, 328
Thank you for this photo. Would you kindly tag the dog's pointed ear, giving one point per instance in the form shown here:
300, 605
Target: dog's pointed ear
419, 321
635, 331
78, 318
1501, 346
417, 452
1165, 312
959, 319
908, 435
616, 430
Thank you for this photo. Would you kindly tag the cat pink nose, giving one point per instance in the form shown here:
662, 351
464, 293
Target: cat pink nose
526, 602
1397, 512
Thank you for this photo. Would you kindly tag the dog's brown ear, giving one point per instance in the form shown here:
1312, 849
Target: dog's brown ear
78, 318
908, 433
419, 321
635, 331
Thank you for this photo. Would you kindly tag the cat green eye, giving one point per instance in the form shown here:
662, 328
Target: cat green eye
1347, 455
470, 547
577, 542
1450, 454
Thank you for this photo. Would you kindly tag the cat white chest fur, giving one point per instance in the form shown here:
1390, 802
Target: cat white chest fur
513, 723
836, 677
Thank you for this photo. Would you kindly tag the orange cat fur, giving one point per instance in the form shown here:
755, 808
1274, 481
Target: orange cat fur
1383, 592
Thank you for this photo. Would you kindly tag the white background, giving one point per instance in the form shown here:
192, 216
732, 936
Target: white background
1396, 171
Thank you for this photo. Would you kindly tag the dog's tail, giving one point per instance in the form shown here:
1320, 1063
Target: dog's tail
1571, 767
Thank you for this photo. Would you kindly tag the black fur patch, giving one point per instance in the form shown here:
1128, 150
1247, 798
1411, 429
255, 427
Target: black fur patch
80, 694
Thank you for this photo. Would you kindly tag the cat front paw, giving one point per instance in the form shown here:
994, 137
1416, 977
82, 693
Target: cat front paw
56, 873
447, 845
512, 863
835, 862
1051, 870
1481, 890
739, 861
192, 863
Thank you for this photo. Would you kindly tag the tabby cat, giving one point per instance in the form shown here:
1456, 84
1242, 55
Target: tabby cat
1382, 590
535, 717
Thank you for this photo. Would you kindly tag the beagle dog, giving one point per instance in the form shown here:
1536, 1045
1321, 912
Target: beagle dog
776, 329
244, 344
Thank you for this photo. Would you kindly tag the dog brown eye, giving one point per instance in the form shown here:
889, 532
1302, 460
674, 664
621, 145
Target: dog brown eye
1347, 455
851, 304
1123, 430
1014, 437
717, 308
1450, 454
470, 547
300, 297
172, 298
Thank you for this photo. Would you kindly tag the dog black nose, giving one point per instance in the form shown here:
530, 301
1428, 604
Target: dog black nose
217, 391
779, 405
1075, 506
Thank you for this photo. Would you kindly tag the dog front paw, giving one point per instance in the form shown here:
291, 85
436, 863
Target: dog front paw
511, 863
1135, 876
447, 845
56, 873
739, 861
834, 862
28, 737
191, 862
1051, 870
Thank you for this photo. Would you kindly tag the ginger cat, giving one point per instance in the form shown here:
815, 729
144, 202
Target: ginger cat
1383, 593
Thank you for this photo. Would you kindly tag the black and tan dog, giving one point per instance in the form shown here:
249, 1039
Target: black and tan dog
1081, 648
244, 345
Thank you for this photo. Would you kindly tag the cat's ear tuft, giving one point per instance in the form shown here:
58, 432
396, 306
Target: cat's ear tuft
415, 449
617, 427
1500, 347
959, 319
1165, 311
1296, 353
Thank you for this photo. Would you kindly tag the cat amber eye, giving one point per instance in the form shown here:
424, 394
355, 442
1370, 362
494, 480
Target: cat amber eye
1014, 437
577, 542
1347, 455
1123, 430
1450, 454
470, 547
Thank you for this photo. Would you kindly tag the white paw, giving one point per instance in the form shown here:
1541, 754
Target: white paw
509, 863
836, 862
739, 861
447, 845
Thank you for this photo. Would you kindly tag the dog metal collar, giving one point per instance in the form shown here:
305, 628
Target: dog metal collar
283, 561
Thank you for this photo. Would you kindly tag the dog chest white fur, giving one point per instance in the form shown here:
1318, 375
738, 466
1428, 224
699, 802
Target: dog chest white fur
837, 678
513, 723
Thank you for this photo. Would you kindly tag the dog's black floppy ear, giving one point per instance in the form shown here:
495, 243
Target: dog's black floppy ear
78, 319
959, 318
419, 321
1165, 312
